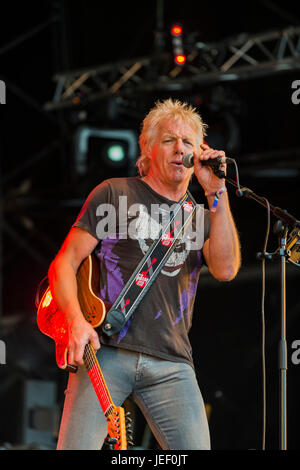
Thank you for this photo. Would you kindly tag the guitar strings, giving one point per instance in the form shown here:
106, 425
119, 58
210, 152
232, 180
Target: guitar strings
96, 372
100, 390
91, 362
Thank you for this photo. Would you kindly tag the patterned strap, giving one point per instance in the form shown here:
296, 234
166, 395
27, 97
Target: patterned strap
148, 269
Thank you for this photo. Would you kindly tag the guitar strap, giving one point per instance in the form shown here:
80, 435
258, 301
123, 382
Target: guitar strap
149, 267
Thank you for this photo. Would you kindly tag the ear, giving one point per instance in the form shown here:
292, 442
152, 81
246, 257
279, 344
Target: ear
148, 152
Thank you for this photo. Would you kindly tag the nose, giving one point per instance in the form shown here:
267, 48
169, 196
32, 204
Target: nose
179, 147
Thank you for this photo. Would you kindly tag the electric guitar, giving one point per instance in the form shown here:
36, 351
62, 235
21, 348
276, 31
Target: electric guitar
52, 323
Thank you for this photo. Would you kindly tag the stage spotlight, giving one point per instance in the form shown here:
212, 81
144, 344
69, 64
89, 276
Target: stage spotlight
177, 43
176, 30
105, 153
115, 154
180, 59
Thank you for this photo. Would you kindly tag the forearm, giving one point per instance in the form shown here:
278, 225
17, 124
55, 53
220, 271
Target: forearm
63, 285
224, 252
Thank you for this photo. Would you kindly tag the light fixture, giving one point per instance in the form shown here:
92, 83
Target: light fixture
104, 149
178, 52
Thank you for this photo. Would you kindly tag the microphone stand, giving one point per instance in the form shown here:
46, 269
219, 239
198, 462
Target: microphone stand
285, 221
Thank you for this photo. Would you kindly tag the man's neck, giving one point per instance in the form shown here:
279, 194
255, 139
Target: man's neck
173, 192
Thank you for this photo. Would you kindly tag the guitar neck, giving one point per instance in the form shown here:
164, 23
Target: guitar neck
98, 381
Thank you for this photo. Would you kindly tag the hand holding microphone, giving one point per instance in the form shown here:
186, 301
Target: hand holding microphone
214, 161
188, 161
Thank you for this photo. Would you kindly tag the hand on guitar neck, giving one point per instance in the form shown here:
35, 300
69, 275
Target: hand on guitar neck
80, 334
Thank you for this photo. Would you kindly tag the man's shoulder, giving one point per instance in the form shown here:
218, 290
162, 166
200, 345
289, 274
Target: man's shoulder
111, 188
118, 183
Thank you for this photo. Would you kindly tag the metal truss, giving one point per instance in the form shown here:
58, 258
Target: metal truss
18, 231
243, 57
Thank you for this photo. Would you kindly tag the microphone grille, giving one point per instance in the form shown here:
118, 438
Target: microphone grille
187, 160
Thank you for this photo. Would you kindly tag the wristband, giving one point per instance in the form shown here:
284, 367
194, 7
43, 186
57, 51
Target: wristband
216, 199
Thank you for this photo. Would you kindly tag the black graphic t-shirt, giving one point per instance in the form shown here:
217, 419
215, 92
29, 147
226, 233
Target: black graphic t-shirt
125, 215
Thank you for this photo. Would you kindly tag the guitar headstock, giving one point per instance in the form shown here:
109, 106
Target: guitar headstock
118, 427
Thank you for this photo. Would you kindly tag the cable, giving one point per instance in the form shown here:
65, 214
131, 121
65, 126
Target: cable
239, 192
237, 175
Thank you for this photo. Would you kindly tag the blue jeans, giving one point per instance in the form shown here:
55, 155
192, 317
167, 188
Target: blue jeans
166, 392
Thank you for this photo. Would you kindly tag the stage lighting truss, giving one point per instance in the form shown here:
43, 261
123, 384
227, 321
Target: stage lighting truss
243, 57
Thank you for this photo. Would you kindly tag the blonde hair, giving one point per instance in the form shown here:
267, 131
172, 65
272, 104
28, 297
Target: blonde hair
168, 109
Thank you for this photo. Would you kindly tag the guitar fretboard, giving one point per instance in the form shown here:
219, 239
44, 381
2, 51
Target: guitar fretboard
97, 379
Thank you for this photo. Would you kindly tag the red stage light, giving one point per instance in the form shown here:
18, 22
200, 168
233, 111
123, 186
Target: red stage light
180, 59
176, 30
177, 43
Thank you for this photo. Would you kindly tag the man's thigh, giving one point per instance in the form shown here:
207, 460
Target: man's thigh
171, 401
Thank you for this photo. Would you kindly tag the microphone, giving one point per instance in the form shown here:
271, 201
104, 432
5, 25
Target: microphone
188, 161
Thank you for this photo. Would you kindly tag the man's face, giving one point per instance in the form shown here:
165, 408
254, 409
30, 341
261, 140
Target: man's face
173, 140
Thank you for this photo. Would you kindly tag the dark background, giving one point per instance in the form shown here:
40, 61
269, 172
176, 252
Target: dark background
41, 194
